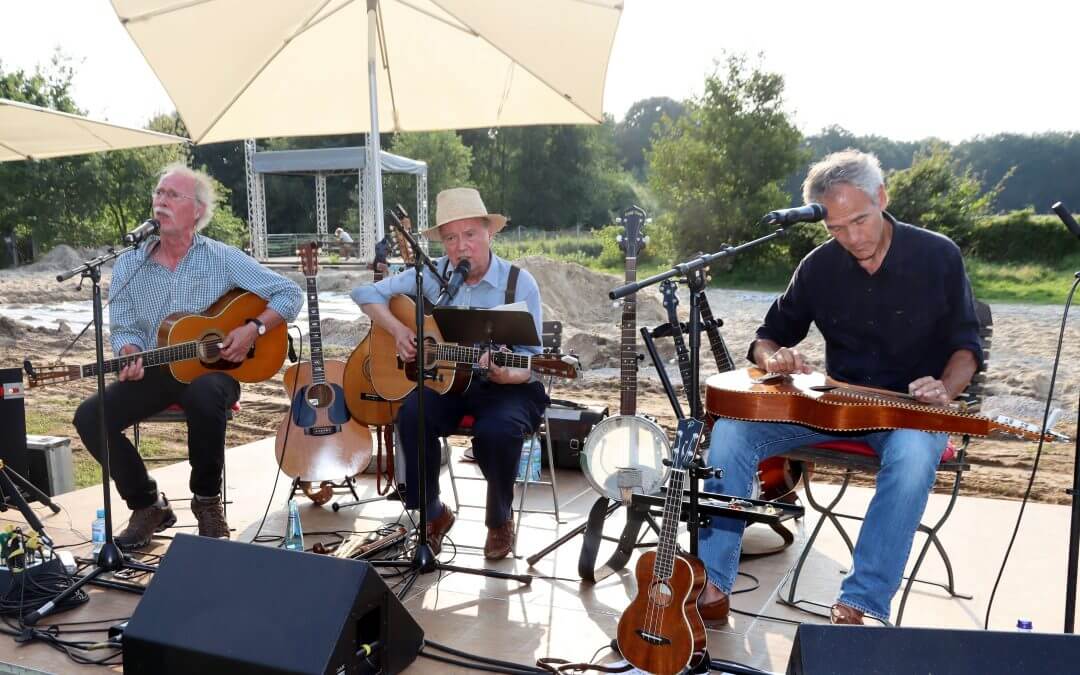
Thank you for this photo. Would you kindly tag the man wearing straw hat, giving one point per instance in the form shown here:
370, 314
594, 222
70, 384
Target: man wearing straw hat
506, 406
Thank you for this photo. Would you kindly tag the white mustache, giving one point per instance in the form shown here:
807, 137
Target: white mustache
161, 211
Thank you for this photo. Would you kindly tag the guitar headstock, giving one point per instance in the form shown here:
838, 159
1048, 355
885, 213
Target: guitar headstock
407, 255
633, 238
557, 365
39, 376
669, 289
309, 258
687, 438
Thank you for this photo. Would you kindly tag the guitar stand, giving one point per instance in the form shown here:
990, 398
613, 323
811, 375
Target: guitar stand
325, 489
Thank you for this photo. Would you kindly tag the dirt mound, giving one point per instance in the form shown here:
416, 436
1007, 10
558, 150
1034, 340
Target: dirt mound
64, 257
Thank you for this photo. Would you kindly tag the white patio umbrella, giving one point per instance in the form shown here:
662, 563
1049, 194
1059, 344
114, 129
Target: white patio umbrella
253, 69
31, 132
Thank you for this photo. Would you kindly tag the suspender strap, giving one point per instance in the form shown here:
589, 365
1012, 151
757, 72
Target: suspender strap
511, 284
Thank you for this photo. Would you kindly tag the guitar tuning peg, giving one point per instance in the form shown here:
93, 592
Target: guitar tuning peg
646, 239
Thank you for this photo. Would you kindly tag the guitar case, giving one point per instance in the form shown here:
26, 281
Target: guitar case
571, 422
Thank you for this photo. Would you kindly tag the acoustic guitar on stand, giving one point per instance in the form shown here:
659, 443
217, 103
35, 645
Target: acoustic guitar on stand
190, 345
318, 440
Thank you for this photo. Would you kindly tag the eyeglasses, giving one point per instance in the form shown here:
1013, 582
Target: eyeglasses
171, 195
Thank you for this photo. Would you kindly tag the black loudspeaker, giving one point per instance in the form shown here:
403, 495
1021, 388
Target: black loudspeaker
868, 650
218, 606
13, 421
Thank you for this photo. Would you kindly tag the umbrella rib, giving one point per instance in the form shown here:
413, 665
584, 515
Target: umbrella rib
18, 152
258, 71
461, 27
565, 96
163, 10
91, 132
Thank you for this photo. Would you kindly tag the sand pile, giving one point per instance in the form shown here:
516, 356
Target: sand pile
64, 257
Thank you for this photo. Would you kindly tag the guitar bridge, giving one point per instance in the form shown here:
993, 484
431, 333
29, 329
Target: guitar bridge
652, 638
323, 431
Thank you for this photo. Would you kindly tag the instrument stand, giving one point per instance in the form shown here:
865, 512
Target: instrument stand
1074, 537
424, 560
110, 558
9, 490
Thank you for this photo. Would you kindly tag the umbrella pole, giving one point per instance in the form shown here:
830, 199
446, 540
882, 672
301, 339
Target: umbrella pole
374, 141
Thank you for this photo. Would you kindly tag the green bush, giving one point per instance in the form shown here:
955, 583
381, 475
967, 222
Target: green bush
1022, 237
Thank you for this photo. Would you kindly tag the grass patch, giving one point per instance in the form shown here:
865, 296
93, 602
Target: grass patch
1029, 282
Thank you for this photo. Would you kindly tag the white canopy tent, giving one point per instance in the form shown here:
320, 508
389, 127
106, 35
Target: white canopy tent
32, 132
320, 163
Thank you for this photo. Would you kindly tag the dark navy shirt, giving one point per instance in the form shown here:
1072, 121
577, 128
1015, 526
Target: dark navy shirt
885, 329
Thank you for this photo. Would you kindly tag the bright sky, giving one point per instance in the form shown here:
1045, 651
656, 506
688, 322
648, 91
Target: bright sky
946, 68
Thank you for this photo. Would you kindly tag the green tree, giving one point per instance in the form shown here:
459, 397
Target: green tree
634, 134
717, 169
449, 162
940, 195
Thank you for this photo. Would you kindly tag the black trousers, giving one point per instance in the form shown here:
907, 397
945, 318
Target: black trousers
206, 402
505, 415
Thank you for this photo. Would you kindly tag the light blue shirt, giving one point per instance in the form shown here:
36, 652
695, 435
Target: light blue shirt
206, 272
489, 292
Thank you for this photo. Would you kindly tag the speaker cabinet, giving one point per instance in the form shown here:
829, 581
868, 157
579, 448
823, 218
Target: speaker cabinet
13, 421
218, 606
868, 650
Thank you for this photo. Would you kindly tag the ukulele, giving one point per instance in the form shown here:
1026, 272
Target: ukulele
662, 631
318, 440
365, 404
191, 346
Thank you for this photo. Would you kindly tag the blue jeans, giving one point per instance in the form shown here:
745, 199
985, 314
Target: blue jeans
909, 461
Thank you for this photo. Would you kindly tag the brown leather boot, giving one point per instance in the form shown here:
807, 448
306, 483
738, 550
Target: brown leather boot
716, 612
437, 527
842, 615
211, 516
500, 541
143, 524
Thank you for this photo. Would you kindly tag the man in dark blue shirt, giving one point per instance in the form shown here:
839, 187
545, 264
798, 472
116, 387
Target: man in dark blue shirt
895, 307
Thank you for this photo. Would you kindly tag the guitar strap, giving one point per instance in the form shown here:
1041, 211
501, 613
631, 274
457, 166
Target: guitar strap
594, 533
385, 436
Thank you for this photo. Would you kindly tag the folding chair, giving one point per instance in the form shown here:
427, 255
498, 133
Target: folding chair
856, 456
552, 340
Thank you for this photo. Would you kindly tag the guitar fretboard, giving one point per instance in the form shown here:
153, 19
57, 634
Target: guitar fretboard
153, 357
460, 354
724, 363
318, 368
628, 362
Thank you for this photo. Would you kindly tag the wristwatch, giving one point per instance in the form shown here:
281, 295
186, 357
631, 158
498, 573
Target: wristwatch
260, 327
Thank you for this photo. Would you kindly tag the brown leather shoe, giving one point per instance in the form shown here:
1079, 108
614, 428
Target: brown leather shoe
143, 524
500, 541
842, 615
437, 527
715, 612
210, 513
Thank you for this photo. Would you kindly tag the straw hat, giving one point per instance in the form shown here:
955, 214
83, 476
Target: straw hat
459, 204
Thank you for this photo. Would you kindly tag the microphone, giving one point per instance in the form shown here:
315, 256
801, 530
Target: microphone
1063, 212
140, 233
456, 279
810, 213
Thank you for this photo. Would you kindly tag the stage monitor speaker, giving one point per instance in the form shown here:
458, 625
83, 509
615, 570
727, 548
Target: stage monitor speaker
219, 606
13, 421
869, 650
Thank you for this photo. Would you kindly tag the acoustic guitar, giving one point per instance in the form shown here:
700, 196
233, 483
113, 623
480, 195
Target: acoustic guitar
821, 402
318, 440
662, 631
191, 346
452, 364
365, 404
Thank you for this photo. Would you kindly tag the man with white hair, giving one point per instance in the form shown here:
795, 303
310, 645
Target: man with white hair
182, 271
506, 405
894, 305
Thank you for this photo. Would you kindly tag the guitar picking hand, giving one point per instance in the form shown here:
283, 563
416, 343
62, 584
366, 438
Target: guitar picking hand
405, 341
134, 370
236, 344
787, 361
930, 390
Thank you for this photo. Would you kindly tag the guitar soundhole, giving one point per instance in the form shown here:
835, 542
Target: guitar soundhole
660, 594
210, 347
320, 395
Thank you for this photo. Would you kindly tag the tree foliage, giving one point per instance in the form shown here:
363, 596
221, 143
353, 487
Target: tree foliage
939, 194
635, 133
717, 169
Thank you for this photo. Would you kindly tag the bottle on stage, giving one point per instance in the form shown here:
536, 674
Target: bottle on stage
97, 531
294, 535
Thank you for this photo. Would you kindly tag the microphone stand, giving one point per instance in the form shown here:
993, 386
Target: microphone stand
424, 560
110, 558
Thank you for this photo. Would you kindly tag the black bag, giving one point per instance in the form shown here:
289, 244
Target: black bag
570, 424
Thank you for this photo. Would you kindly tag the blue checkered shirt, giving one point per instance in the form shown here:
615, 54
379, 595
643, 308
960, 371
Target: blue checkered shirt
208, 270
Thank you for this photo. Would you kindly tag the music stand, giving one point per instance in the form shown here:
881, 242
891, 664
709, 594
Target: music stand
468, 326
424, 560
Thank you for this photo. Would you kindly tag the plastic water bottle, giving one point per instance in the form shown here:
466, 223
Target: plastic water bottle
1023, 626
529, 448
97, 532
294, 534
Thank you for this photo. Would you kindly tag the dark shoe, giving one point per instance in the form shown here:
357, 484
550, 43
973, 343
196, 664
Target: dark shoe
211, 517
842, 615
437, 528
143, 524
500, 541
716, 612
